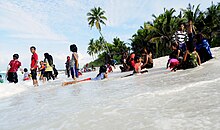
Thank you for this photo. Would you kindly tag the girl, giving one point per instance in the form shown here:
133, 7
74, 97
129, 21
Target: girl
74, 65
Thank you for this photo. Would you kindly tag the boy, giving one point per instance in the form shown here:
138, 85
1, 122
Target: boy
13, 67
34, 62
74, 62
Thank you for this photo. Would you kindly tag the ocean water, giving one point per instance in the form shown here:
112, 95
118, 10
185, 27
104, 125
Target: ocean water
157, 100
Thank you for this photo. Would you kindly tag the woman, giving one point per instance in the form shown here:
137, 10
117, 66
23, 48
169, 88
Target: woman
48, 61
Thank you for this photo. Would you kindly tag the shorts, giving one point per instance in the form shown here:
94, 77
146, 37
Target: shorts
34, 74
182, 47
12, 77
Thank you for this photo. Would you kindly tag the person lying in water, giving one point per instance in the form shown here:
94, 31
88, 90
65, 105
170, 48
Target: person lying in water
102, 75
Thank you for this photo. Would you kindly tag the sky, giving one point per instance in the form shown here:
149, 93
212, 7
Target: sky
53, 25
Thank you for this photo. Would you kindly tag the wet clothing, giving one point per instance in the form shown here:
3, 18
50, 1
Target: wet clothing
49, 75
26, 76
204, 51
99, 77
12, 77
74, 72
34, 59
73, 68
14, 65
34, 74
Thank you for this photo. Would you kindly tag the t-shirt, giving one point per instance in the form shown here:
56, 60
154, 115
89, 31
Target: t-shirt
34, 60
73, 59
26, 75
48, 67
14, 65
180, 37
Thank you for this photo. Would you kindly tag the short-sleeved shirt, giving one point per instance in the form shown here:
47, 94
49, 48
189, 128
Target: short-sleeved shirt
34, 59
14, 65
74, 59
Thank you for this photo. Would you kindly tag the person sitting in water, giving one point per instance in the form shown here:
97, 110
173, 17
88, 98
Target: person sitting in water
203, 48
129, 64
1, 80
174, 58
138, 64
191, 58
26, 75
101, 75
147, 59
13, 67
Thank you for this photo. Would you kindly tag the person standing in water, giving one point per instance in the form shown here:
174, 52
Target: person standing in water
181, 37
34, 66
68, 66
13, 67
74, 65
48, 61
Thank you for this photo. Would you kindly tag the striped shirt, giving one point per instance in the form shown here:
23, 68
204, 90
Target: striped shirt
181, 37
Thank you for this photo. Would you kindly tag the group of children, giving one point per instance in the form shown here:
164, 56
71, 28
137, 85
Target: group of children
137, 63
188, 49
47, 68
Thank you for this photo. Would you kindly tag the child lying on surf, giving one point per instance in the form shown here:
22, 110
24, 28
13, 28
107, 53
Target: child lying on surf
102, 75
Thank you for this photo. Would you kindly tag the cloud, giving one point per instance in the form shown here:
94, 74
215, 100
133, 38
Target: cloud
21, 24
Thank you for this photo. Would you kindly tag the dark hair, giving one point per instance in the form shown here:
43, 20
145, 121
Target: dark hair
181, 23
73, 48
199, 37
33, 47
0, 76
102, 69
25, 70
136, 58
16, 56
190, 46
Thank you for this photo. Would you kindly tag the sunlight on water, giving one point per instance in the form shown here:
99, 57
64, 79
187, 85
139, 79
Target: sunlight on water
160, 99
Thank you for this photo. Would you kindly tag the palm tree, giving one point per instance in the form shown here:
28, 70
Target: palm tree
195, 15
212, 21
96, 17
91, 48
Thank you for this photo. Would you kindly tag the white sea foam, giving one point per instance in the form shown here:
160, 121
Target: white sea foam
159, 99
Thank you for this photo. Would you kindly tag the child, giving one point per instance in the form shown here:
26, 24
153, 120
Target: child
147, 59
74, 62
42, 70
174, 56
13, 67
26, 75
68, 66
1, 80
34, 62
102, 75
138, 64
191, 57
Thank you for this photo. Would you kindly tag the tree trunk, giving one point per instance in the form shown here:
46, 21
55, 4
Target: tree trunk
104, 43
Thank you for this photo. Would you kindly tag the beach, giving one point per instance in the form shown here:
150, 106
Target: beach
157, 100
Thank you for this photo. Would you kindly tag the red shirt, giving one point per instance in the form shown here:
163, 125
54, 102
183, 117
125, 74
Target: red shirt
14, 65
34, 60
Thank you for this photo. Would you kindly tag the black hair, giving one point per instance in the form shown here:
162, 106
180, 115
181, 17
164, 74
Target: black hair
136, 58
73, 48
33, 47
16, 56
190, 46
0, 76
181, 23
102, 69
25, 70
199, 37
